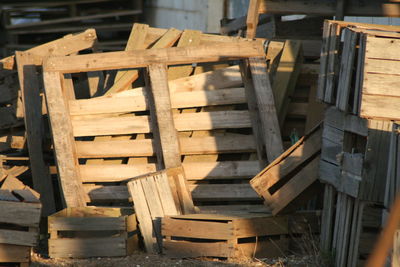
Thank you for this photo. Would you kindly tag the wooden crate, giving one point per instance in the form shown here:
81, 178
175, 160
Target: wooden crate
286, 181
19, 225
233, 236
92, 232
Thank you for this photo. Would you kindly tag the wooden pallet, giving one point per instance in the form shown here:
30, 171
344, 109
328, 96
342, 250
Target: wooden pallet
229, 236
156, 195
115, 115
20, 213
92, 232
284, 181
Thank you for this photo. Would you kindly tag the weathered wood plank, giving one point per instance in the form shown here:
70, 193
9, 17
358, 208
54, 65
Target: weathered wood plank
142, 58
30, 87
63, 140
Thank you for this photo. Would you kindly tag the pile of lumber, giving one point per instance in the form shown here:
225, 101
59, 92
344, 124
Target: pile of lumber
204, 112
358, 79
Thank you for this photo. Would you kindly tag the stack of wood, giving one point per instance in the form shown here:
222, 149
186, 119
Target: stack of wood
357, 77
28, 24
20, 210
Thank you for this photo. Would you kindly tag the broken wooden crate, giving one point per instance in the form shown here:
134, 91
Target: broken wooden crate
289, 179
92, 232
232, 236
156, 195
128, 114
19, 225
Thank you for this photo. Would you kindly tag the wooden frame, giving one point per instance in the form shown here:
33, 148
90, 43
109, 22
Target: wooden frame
64, 130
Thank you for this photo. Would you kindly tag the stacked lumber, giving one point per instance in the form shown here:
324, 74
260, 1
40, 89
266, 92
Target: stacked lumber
28, 24
357, 78
19, 225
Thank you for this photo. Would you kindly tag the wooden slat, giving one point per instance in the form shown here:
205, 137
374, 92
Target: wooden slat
139, 102
183, 249
87, 247
25, 214
19, 238
382, 66
379, 107
194, 171
252, 18
64, 46
30, 87
145, 147
172, 227
213, 192
86, 224
63, 141
143, 214
165, 131
141, 124
266, 106
381, 84
142, 58
374, 48
13, 253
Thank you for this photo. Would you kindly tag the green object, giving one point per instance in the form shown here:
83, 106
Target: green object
294, 137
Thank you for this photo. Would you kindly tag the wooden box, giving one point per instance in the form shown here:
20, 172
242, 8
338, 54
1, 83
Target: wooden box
225, 236
92, 232
19, 225
289, 179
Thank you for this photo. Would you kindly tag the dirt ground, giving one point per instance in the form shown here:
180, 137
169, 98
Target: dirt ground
146, 260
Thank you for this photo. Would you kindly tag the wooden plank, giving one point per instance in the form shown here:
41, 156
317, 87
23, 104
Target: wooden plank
381, 84
323, 61
346, 69
143, 215
254, 114
87, 247
19, 238
180, 191
331, 76
63, 142
142, 58
30, 86
140, 102
141, 124
183, 249
379, 107
252, 18
166, 132
25, 214
86, 224
194, 171
266, 106
145, 147
172, 227
64, 46
382, 66
374, 48
223, 192
264, 226
13, 253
